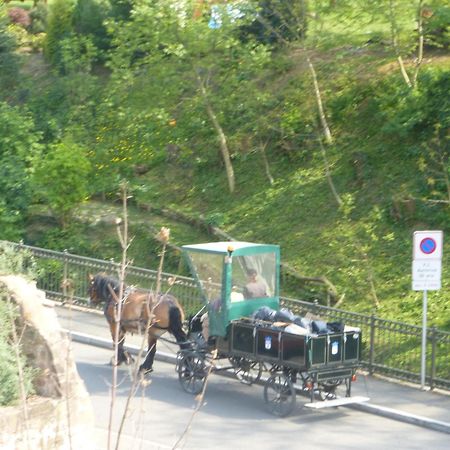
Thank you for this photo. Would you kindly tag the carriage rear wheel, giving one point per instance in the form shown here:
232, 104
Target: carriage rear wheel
279, 394
246, 370
192, 372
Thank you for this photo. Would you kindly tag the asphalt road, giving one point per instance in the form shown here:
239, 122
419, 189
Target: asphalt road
232, 417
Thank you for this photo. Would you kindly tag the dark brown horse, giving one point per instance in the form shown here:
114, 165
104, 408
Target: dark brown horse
139, 310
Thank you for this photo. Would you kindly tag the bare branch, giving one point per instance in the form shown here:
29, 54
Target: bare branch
220, 133
262, 149
394, 41
328, 174
421, 39
323, 119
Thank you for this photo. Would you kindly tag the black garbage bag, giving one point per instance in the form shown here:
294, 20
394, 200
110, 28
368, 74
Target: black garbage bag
285, 315
319, 327
264, 313
336, 327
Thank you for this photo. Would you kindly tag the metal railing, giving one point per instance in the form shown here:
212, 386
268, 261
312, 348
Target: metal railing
390, 348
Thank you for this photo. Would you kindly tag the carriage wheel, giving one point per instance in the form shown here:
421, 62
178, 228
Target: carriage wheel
246, 370
279, 394
192, 373
327, 389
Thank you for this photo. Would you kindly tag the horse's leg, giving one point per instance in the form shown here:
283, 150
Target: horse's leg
122, 355
176, 327
147, 365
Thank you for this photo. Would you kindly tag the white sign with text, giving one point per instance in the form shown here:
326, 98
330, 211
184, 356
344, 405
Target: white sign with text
427, 260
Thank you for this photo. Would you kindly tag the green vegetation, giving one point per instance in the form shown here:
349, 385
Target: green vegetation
321, 126
10, 348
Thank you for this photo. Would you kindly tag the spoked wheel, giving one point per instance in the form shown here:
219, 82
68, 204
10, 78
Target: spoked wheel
246, 370
192, 372
327, 389
279, 394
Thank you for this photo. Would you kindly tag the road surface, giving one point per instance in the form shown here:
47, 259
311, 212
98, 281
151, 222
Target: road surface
232, 417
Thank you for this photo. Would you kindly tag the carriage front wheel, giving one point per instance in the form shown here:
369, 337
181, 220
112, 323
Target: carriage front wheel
279, 394
192, 371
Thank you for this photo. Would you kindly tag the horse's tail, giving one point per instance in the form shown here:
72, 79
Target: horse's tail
176, 325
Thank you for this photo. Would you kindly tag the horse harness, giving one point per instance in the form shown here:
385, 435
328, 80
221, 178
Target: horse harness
141, 322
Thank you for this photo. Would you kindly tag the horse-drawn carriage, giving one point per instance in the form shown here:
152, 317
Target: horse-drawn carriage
243, 324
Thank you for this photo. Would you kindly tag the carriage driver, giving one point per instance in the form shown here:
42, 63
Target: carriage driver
255, 287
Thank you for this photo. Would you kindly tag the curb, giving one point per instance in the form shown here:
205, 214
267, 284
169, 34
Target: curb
383, 411
402, 416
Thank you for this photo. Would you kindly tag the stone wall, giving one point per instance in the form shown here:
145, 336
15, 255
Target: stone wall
60, 415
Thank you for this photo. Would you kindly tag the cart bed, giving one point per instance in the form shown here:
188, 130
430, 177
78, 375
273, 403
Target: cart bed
312, 353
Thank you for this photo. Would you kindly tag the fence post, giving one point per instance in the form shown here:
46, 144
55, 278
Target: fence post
372, 343
433, 356
65, 274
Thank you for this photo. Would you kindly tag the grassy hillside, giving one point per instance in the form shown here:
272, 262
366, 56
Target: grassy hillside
127, 98
364, 247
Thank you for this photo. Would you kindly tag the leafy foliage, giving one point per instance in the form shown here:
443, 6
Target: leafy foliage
88, 19
61, 179
9, 376
59, 27
143, 88
9, 60
19, 145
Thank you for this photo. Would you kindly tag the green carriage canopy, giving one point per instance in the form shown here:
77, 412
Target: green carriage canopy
235, 278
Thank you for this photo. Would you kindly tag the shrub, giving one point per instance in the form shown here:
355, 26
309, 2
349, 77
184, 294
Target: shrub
9, 373
88, 20
61, 179
19, 16
9, 60
38, 17
17, 262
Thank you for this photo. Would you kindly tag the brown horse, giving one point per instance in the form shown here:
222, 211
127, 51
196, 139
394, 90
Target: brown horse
140, 309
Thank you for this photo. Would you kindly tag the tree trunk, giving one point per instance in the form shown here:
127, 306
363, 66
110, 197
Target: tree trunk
394, 37
328, 175
323, 119
262, 149
222, 138
420, 48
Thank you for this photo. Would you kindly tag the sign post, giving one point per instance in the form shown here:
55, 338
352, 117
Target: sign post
426, 276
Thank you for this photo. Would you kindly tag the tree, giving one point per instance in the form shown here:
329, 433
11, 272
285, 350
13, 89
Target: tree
191, 80
59, 27
61, 179
89, 20
19, 145
9, 60
275, 21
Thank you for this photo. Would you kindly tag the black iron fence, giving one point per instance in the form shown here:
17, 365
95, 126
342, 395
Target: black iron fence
389, 347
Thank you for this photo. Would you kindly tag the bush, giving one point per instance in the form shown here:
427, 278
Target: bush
13, 262
9, 373
20, 17
38, 17
436, 27
9, 60
61, 179
18, 144
88, 20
